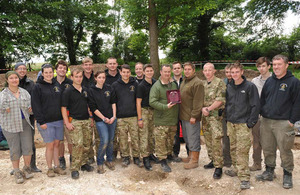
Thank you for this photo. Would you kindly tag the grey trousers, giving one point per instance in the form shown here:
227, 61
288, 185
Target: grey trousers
191, 135
277, 133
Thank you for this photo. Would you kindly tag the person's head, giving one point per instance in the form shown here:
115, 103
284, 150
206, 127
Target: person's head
280, 65
100, 77
227, 71
139, 70
263, 65
177, 69
61, 68
148, 71
125, 72
209, 71
21, 69
237, 70
47, 72
165, 72
12, 79
112, 64
189, 69
87, 65
77, 75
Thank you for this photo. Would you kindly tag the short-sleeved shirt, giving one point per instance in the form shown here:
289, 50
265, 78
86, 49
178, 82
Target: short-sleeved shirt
143, 91
88, 82
76, 102
65, 84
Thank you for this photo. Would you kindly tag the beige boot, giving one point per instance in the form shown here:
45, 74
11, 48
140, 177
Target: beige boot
187, 159
193, 163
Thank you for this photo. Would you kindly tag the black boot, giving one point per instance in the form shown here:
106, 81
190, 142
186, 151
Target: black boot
137, 161
75, 174
70, 158
267, 175
164, 166
33, 162
87, 167
172, 158
126, 161
147, 164
210, 165
62, 162
287, 180
218, 173
153, 158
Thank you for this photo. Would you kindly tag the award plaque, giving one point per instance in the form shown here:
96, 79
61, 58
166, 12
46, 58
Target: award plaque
174, 96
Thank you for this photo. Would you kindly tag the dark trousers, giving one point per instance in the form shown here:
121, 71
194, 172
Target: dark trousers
176, 147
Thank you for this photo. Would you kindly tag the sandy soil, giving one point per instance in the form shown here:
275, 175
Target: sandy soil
134, 180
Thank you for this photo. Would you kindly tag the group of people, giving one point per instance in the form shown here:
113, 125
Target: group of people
111, 107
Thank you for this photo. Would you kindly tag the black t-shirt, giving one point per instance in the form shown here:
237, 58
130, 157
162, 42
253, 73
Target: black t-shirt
143, 91
76, 102
88, 82
65, 84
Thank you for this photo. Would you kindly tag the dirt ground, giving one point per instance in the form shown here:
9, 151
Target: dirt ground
134, 180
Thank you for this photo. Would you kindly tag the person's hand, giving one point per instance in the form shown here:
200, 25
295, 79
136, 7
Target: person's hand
8, 110
140, 124
192, 120
111, 120
170, 105
70, 127
205, 111
291, 124
30, 110
92, 122
44, 126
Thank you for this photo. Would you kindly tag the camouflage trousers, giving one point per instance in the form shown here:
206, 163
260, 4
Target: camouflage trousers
213, 134
240, 143
124, 127
146, 133
81, 139
164, 140
94, 142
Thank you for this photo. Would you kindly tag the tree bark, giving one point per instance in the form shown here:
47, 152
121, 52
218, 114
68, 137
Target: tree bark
153, 33
2, 61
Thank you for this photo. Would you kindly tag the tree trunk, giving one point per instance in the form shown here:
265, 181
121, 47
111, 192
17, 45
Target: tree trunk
203, 31
153, 33
2, 62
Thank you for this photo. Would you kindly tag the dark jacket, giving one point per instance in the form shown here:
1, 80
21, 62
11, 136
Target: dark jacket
242, 103
280, 98
46, 101
26, 84
101, 99
126, 97
65, 84
111, 79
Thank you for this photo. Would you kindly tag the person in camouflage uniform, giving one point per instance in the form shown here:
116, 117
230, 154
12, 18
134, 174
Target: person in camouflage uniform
125, 88
145, 117
242, 109
214, 100
75, 99
165, 116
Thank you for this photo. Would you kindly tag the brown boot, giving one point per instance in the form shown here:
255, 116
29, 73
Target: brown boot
193, 163
255, 167
187, 159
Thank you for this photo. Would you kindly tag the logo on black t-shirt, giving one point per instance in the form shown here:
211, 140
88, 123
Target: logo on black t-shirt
107, 93
85, 94
131, 88
67, 86
283, 86
56, 89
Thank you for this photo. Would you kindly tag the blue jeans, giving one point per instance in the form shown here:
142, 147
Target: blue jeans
106, 133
